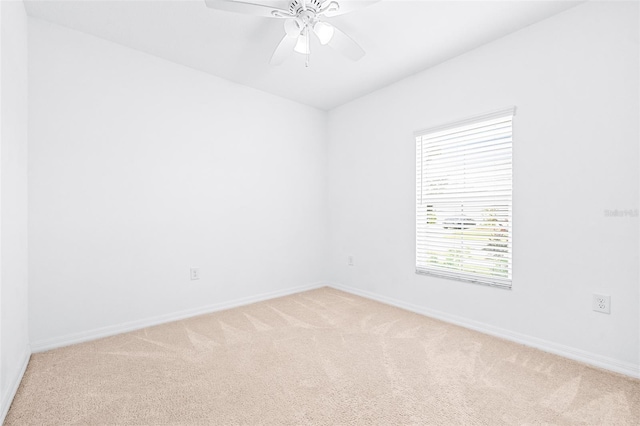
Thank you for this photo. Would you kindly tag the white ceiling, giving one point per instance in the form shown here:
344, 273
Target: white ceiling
400, 38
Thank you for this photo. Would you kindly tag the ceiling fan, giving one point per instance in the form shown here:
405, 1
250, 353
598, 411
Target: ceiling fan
302, 19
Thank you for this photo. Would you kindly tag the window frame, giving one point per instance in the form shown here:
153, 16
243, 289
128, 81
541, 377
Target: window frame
421, 208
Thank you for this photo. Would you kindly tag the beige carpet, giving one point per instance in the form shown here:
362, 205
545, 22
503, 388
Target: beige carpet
322, 357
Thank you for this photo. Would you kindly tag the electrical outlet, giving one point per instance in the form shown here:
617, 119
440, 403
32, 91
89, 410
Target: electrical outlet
350, 261
195, 273
602, 303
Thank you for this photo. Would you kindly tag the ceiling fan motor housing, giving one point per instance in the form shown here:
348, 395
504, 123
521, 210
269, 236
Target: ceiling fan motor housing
297, 6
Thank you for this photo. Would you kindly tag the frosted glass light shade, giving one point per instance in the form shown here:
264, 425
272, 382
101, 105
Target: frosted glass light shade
324, 31
302, 46
292, 27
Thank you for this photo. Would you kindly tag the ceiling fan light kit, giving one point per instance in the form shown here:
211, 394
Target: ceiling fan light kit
303, 18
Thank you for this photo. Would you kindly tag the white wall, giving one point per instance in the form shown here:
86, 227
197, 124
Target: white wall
141, 168
14, 338
574, 80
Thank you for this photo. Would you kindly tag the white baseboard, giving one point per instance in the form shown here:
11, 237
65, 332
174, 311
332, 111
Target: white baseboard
622, 367
7, 399
85, 336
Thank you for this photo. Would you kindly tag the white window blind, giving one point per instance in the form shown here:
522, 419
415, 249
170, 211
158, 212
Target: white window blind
464, 200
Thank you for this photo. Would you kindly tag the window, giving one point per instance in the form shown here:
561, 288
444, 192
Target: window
463, 200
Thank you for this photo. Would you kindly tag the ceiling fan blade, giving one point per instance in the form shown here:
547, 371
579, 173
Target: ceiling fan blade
346, 45
284, 49
249, 8
340, 7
